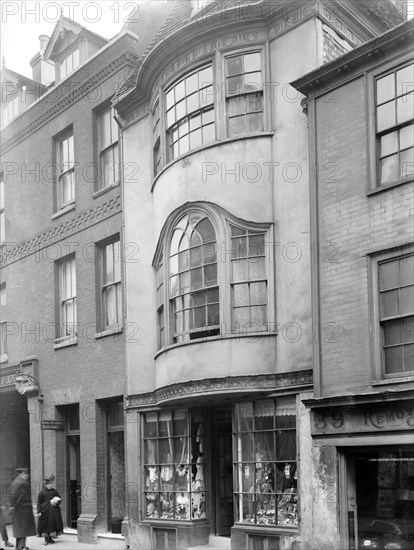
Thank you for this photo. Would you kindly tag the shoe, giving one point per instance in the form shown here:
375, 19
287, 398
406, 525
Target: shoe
7, 544
51, 541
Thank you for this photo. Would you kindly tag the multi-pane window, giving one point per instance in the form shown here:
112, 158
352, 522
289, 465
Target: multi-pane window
69, 63
111, 285
66, 177
194, 290
248, 279
396, 297
190, 118
160, 303
10, 111
67, 290
156, 136
108, 145
174, 451
2, 215
265, 463
3, 334
395, 127
244, 93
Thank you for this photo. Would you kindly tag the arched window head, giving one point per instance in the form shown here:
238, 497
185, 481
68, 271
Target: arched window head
193, 282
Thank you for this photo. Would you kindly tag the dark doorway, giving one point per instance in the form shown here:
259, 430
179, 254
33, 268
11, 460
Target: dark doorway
222, 471
73, 464
116, 466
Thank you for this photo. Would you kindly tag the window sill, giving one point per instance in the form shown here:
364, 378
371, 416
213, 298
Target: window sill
396, 380
382, 188
64, 210
208, 146
104, 190
270, 529
247, 336
109, 332
4, 358
65, 342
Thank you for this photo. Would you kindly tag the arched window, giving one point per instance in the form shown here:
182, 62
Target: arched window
193, 280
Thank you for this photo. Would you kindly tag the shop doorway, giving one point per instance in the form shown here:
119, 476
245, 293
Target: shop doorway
73, 465
379, 499
222, 471
116, 466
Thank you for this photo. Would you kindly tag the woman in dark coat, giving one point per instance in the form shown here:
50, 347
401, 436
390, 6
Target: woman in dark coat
48, 511
21, 506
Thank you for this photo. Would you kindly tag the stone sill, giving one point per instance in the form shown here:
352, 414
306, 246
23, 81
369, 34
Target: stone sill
104, 190
110, 536
64, 343
109, 332
64, 210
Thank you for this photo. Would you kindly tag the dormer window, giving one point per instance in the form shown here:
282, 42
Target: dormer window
69, 63
10, 111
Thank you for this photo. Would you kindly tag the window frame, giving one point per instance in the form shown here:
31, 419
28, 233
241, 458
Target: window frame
374, 185
3, 324
2, 210
102, 312
62, 172
240, 460
104, 149
217, 61
222, 222
65, 56
377, 364
63, 301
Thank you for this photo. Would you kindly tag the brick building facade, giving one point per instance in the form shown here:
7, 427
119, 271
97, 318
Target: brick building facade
360, 110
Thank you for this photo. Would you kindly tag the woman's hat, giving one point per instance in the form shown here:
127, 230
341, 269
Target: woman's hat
22, 470
49, 478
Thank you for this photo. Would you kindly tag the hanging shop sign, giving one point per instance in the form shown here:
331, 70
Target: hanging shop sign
374, 418
58, 425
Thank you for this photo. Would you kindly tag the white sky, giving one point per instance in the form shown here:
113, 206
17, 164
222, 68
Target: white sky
22, 22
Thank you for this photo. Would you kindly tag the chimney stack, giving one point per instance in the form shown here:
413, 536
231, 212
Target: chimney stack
42, 69
43, 40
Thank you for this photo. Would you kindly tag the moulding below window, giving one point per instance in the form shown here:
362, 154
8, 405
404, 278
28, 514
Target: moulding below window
230, 385
4, 358
64, 343
383, 188
64, 210
104, 190
109, 332
396, 380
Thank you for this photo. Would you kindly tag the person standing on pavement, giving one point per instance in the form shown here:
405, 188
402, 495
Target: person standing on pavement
21, 506
3, 528
48, 511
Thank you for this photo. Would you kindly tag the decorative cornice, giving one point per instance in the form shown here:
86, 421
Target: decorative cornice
219, 386
74, 91
13, 252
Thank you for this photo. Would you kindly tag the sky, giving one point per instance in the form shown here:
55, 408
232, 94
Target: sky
22, 22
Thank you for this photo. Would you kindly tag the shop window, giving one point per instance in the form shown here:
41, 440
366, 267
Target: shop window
111, 298
396, 314
108, 149
67, 298
201, 288
266, 463
66, 171
174, 465
244, 93
190, 112
394, 110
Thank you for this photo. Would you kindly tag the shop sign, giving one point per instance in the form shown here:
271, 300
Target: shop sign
58, 425
375, 418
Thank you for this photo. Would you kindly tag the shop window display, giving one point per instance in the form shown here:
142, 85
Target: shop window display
174, 465
265, 463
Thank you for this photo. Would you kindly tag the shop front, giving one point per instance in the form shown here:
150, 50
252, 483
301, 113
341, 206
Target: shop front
373, 446
226, 469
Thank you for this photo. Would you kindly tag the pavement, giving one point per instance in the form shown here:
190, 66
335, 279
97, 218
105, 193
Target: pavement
62, 542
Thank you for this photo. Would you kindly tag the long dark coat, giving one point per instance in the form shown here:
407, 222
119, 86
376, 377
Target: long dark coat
51, 519
20, 499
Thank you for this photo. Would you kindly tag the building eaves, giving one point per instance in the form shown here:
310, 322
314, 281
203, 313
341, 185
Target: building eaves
322, 76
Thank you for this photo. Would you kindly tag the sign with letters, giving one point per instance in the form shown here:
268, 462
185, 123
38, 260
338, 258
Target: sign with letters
58, 425
373, 418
